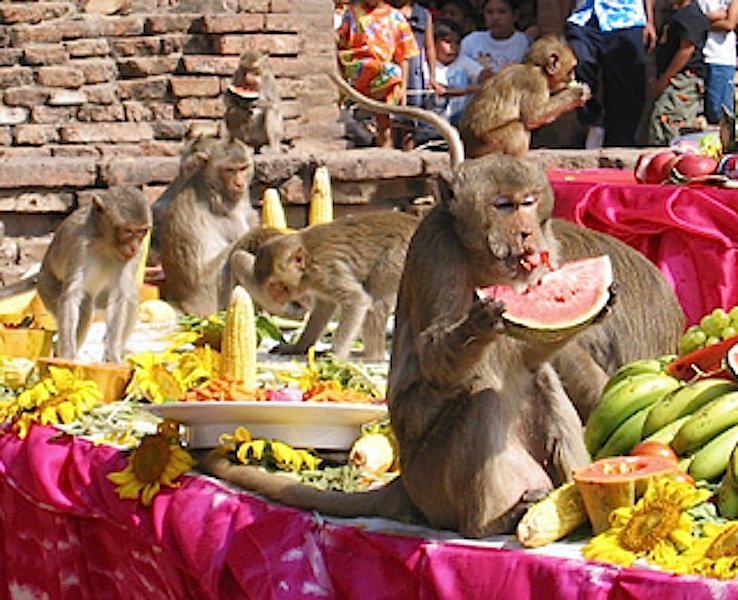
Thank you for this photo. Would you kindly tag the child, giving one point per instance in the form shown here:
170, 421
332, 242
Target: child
456, 77
678, 87
461, 12
719, 55
374, 44
501, 44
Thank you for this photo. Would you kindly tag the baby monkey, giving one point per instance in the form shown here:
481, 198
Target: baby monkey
93, 258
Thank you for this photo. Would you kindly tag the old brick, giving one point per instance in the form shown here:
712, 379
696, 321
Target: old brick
53, 114
107, 151
195, 86
141, 171
45, 55
12, 115
232, 23
25, 96
146, 66
122, 26
212, 108
273, 44
257, 6
87, 48
210, 65
5, 136
186, 43
107, 7
169, 23
86, 26
32, 12
67, 77
101, 93
74, 150
97, 70
15, 76
146, 46
47, 173
10, 56
203, 128
161, 148
36, 202
105, 132
136, 111
161, 111
61, 97
35, 34
291, 23
170, 130
101, 113
24, 151
143, 89
35, 135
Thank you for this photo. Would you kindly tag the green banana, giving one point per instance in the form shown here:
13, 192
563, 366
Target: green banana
685, 401
667, 432
727, 500
710, 420
731, 473
684, 463
710, 461
625, 437
635, 367
621, 401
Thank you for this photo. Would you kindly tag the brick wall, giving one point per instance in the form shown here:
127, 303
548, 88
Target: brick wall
104, 92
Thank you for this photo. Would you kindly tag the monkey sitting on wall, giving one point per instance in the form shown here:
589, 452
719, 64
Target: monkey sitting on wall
253, 104
210, 212
352, 265
522, 97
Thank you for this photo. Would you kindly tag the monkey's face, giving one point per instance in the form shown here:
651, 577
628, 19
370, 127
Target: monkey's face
128, 240
286, 265
235, 179
560, 74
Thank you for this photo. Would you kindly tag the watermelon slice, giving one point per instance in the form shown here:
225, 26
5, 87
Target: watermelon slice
566, 300
242, 95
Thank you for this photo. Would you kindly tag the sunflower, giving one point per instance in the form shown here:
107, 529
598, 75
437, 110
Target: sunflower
158, 460
715, 553
657, 527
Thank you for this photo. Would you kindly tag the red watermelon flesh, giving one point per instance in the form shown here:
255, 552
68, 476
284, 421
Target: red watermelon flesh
568, 297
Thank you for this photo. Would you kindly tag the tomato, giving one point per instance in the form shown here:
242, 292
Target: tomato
682, 476
654, 448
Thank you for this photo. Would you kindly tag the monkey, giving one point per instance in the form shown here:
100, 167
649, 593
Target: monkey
486, 422
93, 256
253, 104
522, 97
352, 264
211, 212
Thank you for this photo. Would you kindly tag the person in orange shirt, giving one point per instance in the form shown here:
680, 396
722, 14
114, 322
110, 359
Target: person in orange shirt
374, 43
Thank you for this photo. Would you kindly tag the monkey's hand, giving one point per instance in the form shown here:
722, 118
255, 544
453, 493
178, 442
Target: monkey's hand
582, 91
288, 349
484, 320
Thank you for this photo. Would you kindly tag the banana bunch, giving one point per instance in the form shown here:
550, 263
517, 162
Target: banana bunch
698, 419
616, 423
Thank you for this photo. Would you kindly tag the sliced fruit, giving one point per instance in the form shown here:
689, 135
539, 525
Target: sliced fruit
566, 300
709, 360
654, 448
610, 483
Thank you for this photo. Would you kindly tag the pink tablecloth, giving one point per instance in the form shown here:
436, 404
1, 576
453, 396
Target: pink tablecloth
65, 534
689, 232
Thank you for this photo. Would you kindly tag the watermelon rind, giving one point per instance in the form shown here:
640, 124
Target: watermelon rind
563, 318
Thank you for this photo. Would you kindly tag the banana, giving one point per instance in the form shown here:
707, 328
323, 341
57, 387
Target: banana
732, 471
623, 400
710, 461
635, 367
667, 432
625, 437
727, 500
710, 420
684, 401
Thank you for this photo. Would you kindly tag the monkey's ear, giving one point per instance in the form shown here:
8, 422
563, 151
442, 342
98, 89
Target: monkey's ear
553, 64
300, 257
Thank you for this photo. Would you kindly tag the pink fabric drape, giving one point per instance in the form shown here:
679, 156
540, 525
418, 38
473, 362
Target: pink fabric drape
689, 232
66, 534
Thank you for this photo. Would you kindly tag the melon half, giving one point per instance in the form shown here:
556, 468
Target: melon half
566, 300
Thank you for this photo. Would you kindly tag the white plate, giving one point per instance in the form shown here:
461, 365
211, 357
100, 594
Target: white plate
325, 425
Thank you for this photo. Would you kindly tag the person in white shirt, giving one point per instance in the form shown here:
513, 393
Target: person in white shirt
719, 55
500, 44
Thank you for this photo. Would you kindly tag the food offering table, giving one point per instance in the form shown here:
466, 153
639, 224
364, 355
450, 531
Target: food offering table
66, 534
689, 232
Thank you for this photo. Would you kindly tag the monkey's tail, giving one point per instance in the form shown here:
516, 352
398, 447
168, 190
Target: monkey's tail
448, 131
390, 501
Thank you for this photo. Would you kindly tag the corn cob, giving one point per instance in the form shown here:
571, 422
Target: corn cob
238, 346
554, 517
321, 198
272, 211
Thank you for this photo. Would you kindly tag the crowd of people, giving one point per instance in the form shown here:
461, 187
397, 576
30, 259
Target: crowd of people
436, 53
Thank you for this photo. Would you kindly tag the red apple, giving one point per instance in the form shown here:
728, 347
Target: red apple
654, 167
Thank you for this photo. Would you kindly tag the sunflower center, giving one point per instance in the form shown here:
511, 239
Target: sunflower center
726, 544
151, 458
649, 525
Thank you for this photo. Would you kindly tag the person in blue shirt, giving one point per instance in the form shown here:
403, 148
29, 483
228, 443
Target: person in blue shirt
611, 38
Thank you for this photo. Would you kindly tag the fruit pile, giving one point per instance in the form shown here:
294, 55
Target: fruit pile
715, 326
